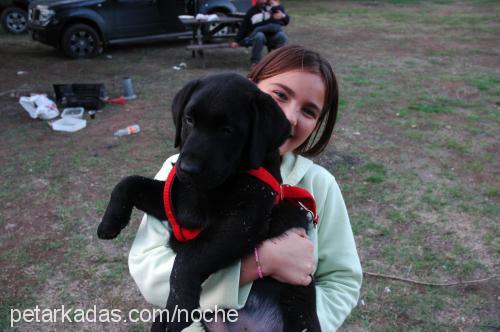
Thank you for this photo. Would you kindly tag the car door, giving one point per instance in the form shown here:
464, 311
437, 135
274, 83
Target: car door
134, 18
105, 18
169, 11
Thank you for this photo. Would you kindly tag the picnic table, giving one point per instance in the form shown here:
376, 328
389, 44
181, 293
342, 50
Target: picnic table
205, 33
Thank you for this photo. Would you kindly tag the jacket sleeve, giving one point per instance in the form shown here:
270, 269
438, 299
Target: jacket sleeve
285, 19
338, 275
151, 261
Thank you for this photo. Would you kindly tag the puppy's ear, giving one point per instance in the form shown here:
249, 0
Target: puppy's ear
270, 128
180, 101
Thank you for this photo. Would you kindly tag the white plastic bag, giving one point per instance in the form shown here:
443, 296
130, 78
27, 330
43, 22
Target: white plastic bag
39, 106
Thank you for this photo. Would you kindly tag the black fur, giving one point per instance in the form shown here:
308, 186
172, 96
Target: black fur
224, 126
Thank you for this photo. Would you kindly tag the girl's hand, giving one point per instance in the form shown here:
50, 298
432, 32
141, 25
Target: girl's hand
288, 258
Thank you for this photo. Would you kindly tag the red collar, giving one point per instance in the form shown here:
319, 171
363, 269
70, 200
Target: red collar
283, 191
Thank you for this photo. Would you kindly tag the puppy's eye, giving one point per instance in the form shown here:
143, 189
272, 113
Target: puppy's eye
227, 130
188, 121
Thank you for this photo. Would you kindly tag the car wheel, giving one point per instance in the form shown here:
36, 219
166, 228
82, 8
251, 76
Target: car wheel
81, 41
15, 20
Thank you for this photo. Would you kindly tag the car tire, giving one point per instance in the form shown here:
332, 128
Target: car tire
15, 20
81, 41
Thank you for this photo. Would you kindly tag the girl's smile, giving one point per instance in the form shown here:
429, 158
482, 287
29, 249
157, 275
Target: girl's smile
301, 96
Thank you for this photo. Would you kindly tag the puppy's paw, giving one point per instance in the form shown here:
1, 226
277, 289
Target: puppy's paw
115, 219
110, 226
107, 231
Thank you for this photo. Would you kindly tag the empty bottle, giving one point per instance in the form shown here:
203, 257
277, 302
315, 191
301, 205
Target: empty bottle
133, 129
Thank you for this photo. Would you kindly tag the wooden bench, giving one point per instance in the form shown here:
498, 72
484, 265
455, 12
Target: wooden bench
207, 46
205, 37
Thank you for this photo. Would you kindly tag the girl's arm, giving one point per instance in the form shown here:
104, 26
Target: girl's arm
338, 275
288, 258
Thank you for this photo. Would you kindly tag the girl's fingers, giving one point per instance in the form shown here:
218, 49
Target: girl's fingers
307, 280
299, 231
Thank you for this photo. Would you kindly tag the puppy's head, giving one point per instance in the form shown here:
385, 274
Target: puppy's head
224, 125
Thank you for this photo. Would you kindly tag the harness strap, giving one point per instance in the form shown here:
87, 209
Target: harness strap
285, 191
299, 195
263, 175
181, 234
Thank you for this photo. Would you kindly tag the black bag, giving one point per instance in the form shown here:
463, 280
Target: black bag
88, 96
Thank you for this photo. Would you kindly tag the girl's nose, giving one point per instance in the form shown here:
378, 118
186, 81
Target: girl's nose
291, 115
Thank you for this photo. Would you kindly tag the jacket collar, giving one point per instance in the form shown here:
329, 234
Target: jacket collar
293, 168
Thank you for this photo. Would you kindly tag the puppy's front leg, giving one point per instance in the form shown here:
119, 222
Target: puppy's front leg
185, 289
144, 193
286, 215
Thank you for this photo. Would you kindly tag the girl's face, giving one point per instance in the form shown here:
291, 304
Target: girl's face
301, 96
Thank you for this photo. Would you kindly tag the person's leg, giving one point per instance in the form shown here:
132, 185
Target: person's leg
258, 42
268, 29
277, 40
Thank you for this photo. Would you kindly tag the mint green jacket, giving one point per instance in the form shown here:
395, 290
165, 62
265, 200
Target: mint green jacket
338, 272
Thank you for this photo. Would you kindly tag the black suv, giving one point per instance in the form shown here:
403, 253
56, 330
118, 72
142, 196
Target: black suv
82, 28
14, 15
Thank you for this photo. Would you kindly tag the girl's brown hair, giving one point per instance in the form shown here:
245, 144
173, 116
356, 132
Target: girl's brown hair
294, 57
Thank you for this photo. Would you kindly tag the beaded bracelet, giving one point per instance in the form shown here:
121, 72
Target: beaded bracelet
257, 261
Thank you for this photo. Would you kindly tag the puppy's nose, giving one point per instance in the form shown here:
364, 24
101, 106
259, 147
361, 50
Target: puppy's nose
190, 168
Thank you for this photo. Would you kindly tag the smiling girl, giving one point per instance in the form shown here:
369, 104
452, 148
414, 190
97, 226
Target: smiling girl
304, 86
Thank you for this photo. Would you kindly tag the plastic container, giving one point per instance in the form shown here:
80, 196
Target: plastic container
74, 112
69, 124
133, 129
128, 88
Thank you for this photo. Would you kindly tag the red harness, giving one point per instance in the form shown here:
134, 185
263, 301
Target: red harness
283, 191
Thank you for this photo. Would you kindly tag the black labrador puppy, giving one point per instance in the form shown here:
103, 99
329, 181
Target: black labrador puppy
225, 126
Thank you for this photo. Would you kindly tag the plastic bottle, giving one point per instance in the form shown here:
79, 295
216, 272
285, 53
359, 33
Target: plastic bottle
133, 129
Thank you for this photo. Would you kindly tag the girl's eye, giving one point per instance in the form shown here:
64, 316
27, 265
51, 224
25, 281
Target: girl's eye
310, 113
281, 95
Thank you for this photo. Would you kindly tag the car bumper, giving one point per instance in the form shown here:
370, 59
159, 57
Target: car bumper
46, 35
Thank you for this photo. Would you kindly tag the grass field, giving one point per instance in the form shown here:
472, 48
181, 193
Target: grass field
416, 153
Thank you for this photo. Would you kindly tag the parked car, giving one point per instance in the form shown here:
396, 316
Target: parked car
220, 6
14, 16
82, 28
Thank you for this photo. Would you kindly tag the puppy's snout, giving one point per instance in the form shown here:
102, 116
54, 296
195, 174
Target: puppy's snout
190, 168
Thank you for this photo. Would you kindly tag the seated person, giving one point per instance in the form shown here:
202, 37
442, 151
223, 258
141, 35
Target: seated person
261, 26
